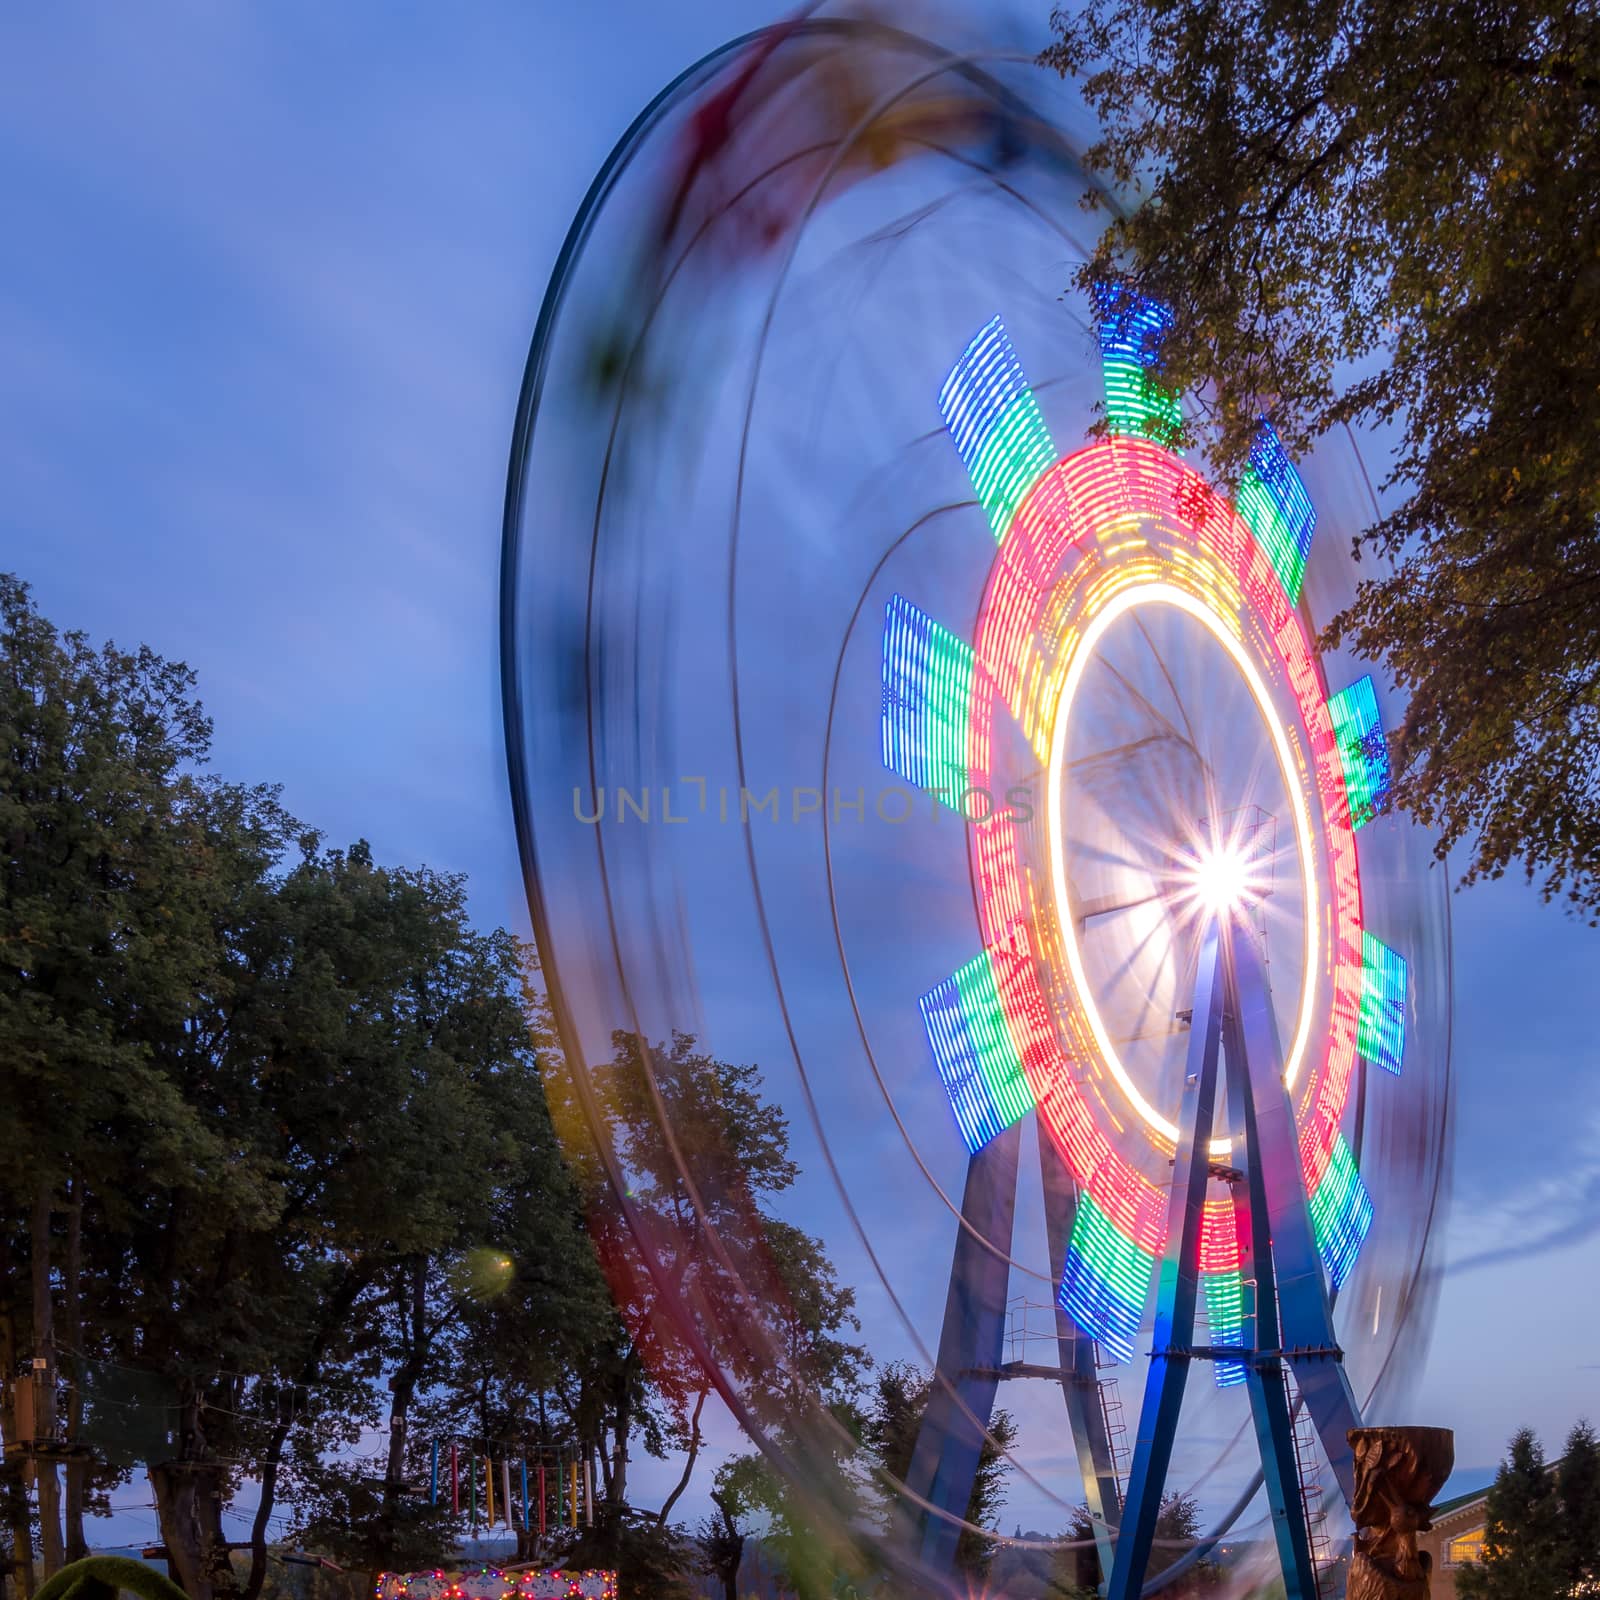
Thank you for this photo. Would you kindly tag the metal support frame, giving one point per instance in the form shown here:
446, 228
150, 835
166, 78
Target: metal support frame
944, 1464
1080, 1375
1304, 1310
1178, 1283
1287, 1312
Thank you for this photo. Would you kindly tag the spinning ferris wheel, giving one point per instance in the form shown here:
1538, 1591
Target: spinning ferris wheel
888, 699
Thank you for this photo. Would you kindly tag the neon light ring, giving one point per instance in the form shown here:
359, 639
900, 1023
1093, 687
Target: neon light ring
791, 545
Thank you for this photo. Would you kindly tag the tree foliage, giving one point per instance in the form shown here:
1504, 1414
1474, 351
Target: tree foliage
269, 1105
1075, 1573
1384, 214
705, 1154
1542, 1523
281, 1173
1578, 1488
895, 1413
126, 869
720, 1539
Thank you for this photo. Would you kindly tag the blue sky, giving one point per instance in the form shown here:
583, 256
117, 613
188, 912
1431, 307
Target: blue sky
267, 277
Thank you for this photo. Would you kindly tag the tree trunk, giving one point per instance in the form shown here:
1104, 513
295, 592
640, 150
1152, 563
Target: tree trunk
174, 1483
688, 1460
213, 1536
334, 1313
621, 1429
538, 1543
403, 1389
19, 1518
730, 1573
188, 1492
263, 1517
403, 1385
72, 1306
44, 1379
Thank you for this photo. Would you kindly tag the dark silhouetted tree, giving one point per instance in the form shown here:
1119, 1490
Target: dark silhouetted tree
895, 1410
1523, 1556
1578, 1489
1076, 1573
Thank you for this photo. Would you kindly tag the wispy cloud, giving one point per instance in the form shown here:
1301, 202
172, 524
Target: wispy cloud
1554, 1213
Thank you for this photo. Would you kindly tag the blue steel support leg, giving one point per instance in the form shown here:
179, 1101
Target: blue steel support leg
944, 1463
1304, 1315
1269, 1400
1178, 1286
1080, 1379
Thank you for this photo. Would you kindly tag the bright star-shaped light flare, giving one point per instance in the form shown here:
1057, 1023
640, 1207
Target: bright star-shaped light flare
1222, 879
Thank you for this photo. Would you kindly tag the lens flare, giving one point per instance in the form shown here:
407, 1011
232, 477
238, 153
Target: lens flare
1222, 880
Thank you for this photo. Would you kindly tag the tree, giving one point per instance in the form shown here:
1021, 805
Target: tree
281, 1164
810, 1523
895, 1412
809, 1319
808, 1401
255, 1277
735, 1492
1178, 1529
1076, 1569
1371, 213
121, 856
975, 1550
652, 1558
270, 1108
720, 1539
484, 1281
1523, 1550
704, 1154
1578, 1489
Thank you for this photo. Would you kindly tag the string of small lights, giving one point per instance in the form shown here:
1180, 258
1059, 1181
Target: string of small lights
496, 1583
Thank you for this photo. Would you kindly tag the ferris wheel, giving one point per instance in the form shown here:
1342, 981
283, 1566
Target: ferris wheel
888, 699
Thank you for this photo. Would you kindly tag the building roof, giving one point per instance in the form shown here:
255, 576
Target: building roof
1461, 1502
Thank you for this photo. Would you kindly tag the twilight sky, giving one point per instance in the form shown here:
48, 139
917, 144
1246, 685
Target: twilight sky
267, 278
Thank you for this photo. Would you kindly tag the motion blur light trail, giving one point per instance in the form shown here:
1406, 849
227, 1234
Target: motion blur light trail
819, 483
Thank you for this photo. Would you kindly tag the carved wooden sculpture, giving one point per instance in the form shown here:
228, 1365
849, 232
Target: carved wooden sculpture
1398, 1472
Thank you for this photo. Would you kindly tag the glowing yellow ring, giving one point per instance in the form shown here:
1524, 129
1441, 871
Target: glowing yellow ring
1125, 600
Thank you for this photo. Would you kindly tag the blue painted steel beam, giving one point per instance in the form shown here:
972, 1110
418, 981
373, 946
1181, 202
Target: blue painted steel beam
1080, 1378
1178, 1286
944, 1463
1304, 1312
1269, 1400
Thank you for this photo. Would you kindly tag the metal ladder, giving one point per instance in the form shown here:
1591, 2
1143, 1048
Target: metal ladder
1033, 1323
1116, 1424
1308, 1467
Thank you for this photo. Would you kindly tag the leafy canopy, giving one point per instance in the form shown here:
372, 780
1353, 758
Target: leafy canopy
1391, 214
277, 1142
895, 1412
1076, 1570
1541, 1525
